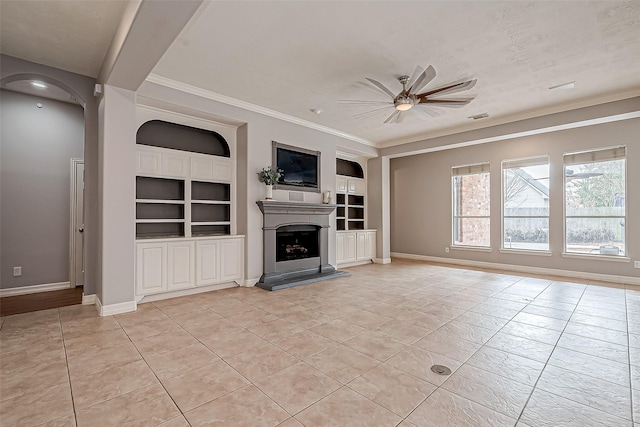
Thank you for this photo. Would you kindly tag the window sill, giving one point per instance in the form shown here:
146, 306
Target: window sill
613, 258
471, 248
525, 252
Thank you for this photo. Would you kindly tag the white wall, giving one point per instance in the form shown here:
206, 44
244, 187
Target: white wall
36, 151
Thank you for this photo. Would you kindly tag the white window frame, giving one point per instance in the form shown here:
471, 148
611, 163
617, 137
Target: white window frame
472, 169
595, 155
518, 163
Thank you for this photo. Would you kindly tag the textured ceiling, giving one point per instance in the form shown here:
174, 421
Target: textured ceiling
295, 56
72, 35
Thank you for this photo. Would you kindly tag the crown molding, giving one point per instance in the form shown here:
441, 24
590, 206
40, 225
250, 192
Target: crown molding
510, 118
187, 88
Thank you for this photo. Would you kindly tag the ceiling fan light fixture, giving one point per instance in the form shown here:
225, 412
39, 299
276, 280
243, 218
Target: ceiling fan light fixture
404, 102
403, 107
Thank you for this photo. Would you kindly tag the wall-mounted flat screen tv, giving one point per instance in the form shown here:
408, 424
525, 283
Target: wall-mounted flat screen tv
301, 168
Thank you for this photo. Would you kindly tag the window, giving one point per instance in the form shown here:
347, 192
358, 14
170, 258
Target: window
525, 204
594, 191
471, 203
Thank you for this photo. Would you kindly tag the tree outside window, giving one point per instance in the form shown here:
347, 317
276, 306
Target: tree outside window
595, 192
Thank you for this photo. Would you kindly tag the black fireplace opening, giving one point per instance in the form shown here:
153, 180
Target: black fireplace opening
297, 242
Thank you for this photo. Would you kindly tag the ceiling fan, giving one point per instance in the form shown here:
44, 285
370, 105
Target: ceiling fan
409, 96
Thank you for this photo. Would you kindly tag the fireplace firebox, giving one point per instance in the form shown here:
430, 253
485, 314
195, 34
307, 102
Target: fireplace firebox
296, 242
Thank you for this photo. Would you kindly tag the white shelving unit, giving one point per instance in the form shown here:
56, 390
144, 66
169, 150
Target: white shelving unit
185, 210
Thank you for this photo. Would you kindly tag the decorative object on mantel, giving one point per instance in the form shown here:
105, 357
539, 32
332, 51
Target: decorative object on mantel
327, 198
269, 176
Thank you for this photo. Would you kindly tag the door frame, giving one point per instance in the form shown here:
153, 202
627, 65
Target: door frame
72, 220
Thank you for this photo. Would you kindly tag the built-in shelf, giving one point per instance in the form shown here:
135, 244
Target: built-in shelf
350, 212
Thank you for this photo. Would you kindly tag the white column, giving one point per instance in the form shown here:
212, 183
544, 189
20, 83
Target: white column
117, 138
378, 206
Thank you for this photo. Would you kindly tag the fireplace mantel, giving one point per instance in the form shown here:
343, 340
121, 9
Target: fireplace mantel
280, 275
294, 208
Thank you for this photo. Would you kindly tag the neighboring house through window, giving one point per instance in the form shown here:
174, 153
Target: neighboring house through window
595, 192
471, 205
525, 204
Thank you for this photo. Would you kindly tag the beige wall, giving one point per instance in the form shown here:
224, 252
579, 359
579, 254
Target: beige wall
421, 197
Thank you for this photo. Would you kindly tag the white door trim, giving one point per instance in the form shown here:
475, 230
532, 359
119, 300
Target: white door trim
72, 221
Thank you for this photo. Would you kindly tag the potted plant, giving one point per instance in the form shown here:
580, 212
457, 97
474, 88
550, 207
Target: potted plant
269, 176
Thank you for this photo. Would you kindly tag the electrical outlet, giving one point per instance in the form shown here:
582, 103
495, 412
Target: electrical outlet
636, 264
17, 271
446, 249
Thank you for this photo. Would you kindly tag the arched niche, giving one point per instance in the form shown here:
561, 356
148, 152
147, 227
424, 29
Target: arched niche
349, 168
158, 133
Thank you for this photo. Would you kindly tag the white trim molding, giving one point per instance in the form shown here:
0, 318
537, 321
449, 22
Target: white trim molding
111, 309
33, 289
184, 292
523, 269
183, 87
382, 260
248, 283
88, 299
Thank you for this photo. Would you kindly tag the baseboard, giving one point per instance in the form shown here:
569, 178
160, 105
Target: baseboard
248, 283
184, 292
111, 309
33, 289
88, 299
355, 263
382, 260
524, 269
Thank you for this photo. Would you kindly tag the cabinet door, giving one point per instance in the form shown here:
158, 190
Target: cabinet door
231, 259
361, 245
207, 262
371, 245
148, 162
340, 250
356, 186
341, 185
180, 265
174, 165
201, 168
151, 268
223, 170
350, 247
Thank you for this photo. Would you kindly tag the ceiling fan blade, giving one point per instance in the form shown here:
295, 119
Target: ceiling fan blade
452, 103
428, 111
391, 117
416, 73
363, 102
424, 79
450, 88
366, 113
400, 117
382, 87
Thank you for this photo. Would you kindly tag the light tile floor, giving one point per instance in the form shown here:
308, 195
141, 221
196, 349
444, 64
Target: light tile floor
357, 351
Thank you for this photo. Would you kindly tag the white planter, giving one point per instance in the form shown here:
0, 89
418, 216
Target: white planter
269, 192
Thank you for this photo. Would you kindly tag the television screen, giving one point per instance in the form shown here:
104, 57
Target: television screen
300, 168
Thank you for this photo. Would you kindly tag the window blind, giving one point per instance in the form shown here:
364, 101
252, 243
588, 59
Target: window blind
522, 163
603, 155
470, 169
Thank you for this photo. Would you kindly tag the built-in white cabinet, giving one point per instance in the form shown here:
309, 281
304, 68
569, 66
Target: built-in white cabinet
350, 185
151, 268
180, 265
355, 247
170, 265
